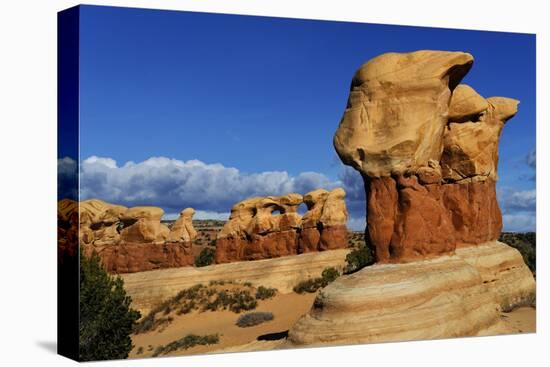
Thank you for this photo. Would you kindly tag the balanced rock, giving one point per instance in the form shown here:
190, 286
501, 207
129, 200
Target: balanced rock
182, 230
427, 149
142, 225
264, 228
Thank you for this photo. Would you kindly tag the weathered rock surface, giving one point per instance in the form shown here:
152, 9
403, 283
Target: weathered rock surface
427, 149
397, 111
471, 143
182, 230
448, 296
139, 257
408, 220
503, 270
255, 232
148, 289
130, 239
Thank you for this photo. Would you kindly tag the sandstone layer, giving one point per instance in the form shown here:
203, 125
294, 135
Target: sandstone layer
427, 149
448, 296
148, 289
408, 220
264, 228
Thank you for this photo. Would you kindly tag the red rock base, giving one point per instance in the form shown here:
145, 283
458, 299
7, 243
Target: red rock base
136, 257
408, 220
279, 244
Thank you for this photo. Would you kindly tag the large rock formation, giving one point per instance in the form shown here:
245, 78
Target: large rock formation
427, 149
448, 296
129, 239
253, 232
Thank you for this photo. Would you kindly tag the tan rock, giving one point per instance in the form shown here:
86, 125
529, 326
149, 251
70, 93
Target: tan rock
105, 235
315, 201
94, 208
471, 147
143, 212
264, 221
466, 103
240, 218
503, 269
334, 211
449, 296
145, 231
142, 225
397, 111
182, 230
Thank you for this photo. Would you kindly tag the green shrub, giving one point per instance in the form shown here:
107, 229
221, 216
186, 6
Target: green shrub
526, 244
312, 285
330, 274
265, 293
201, 298
106, 319
254, 318
187, 342
358, 259
205, 258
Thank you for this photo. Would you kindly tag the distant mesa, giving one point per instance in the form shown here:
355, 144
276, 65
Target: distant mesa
269, 227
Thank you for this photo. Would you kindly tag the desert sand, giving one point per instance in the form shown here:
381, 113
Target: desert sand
520, 320
286, 309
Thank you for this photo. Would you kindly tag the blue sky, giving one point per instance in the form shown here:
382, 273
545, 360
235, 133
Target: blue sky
260, 96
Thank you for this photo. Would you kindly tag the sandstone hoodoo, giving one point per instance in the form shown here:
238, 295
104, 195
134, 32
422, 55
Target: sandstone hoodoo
427, 149
131, 239
263, 228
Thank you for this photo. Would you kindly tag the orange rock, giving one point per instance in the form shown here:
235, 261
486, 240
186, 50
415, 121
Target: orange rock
333, 237
408, 220
309, 240
137, 257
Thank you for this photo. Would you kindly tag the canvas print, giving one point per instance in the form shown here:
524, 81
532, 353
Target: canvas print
235, 183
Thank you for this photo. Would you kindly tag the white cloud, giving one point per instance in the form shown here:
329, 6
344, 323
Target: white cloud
174, 184
519, 222
532, 158
518, 209
517, 200
357, 224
